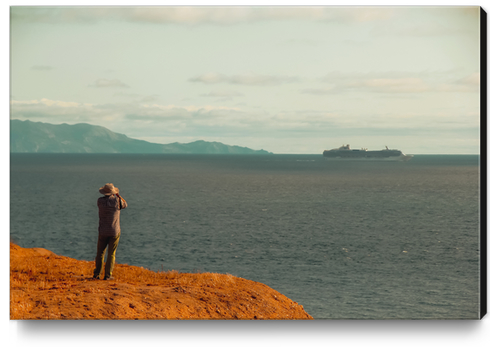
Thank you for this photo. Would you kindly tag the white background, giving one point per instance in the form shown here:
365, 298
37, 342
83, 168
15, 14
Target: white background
214, 333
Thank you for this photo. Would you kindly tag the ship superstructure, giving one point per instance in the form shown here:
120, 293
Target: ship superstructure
345, 152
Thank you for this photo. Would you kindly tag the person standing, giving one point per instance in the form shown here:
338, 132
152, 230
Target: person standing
110, 206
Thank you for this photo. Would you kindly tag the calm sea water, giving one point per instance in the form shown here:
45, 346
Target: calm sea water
347, 240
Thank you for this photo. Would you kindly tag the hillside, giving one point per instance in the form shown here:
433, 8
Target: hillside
44, 285
37, 137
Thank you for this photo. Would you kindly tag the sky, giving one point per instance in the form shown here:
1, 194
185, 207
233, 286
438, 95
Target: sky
286, 79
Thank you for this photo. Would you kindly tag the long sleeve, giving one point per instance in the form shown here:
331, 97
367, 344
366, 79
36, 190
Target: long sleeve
124, 204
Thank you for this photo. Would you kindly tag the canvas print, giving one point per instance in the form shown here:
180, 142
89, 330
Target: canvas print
245, 162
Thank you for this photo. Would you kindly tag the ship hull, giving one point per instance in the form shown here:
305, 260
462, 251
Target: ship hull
402, 157
345, 153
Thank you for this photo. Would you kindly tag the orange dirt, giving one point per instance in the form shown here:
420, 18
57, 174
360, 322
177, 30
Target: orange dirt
44, 285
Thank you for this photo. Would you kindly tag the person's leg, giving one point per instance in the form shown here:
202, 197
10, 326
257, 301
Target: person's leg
99, 258
111, 256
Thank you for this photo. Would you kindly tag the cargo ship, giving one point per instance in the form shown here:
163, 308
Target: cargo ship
346, 153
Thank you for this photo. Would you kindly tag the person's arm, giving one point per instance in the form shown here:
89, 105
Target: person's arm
122, 202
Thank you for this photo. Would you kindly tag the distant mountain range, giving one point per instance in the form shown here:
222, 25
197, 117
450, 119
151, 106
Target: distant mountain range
37, 137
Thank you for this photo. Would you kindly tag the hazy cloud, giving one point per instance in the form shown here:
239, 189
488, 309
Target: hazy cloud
379, 83
210, 78
261, 80
150, 98
318, 91
472, 80
469, 83
397, 82
49, 103
420, 30
447, 20
137, 97
222, 94
206, 121
364, 14
302, 42
42, 68
390, 85
246, 79
189, 15
192, 108
105, 83
52, 111
126, 95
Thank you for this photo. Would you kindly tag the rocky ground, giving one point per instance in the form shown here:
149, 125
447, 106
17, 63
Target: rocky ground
44, 285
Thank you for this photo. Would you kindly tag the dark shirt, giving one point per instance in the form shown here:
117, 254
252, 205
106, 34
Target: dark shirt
109, 211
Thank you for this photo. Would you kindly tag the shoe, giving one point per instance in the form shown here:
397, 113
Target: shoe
108, 278
96, 277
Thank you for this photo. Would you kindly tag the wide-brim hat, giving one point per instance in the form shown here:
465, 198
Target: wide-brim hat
109, 189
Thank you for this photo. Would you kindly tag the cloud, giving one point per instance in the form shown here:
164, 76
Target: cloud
49, 103
390, 85
246, 79
470, 83
388, 82
396, 82
126, 95
210, 78
135, 97
365, 14
433, 21
42, 68
158, 112
153, 119
414, 30
302, 42
136, 119
261, 80
105, 83
222, 94
188, 15
53, 110
150, 98
472, 80
318, 91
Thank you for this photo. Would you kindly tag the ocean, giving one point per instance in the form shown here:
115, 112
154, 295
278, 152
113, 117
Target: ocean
347, 240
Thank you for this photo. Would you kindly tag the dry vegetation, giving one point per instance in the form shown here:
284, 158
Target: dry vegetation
44, 285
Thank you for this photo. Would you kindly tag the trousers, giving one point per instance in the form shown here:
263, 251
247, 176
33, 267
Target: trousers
103, 243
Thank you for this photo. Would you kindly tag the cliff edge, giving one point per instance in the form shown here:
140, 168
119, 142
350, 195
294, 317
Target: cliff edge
44, 285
